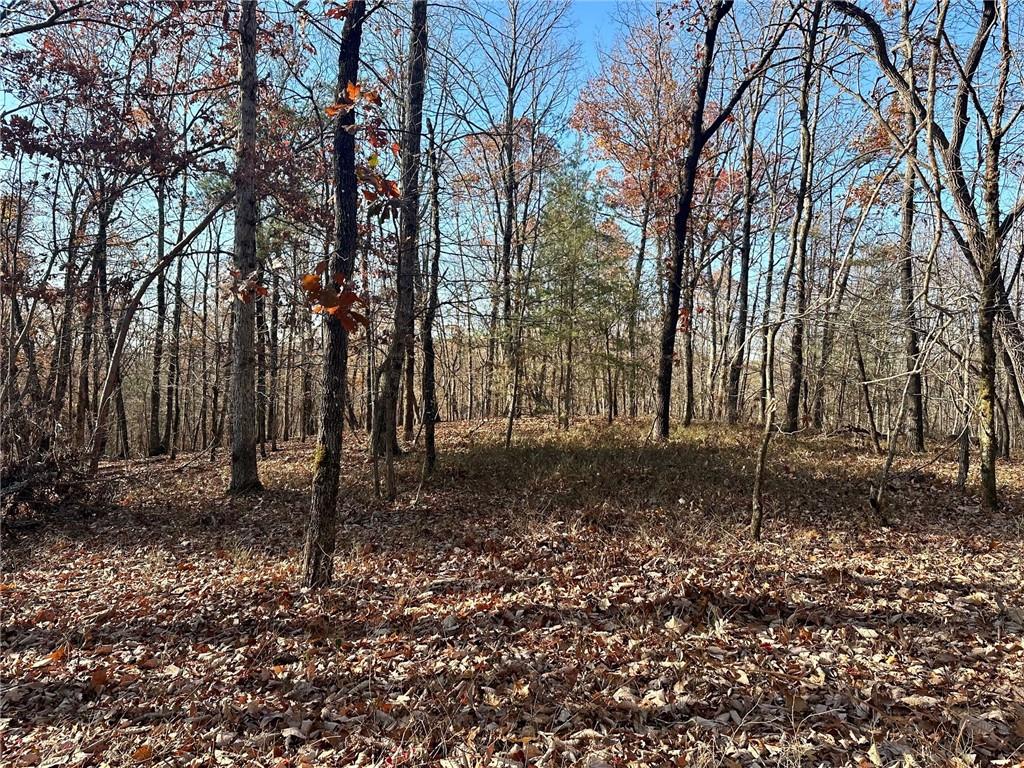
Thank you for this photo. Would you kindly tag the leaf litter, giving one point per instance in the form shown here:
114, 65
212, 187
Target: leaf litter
587, 598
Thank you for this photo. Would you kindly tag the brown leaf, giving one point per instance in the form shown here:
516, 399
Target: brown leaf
98, 679
142, 754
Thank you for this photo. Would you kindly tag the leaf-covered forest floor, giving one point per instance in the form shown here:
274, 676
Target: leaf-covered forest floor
588, 598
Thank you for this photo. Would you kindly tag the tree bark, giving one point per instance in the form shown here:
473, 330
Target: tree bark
866, 391
261, 374
385, 411
732, 397
321, 528
156, 445
173, 423
125, 321
907, 210
803, 219
430, 413
681, 219
244, 475
272, 416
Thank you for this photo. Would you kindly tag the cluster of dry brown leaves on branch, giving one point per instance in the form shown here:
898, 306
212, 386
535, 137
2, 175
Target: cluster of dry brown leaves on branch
587, 599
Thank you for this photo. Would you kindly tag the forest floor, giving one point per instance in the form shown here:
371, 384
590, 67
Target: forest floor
586, 598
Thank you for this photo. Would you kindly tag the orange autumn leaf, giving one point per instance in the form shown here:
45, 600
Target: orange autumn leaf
98, 679
142, 754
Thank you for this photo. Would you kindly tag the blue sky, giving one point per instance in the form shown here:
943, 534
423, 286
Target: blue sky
594, 27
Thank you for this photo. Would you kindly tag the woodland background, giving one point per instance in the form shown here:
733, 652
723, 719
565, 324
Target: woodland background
661, 397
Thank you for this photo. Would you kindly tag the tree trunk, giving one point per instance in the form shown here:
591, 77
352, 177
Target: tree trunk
124, 324
244, 475
987, 441
273, 373
173, 425
916, 390
732, 395
803, 219
634, 299
680, 225
866, 390
156, 444
120, 414
59, 378
321, 528
308, 414
767, 337
409, 417
385, 411
83, 410
681, 219
261, 374
430, 414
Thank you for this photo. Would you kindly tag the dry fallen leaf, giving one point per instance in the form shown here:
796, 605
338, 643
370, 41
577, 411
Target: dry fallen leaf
451, 618
98, 679
142, 754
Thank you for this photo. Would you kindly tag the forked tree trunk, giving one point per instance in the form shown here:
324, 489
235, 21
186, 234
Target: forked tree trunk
385, 411
803, 219
698, 137
986, 229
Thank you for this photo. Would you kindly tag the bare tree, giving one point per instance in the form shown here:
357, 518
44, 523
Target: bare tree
244, 475
321, 529
980, 228
699, 136
385, 410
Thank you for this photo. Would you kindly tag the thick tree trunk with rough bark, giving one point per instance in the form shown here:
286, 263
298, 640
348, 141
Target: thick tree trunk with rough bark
244, 476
